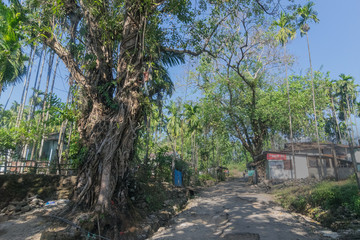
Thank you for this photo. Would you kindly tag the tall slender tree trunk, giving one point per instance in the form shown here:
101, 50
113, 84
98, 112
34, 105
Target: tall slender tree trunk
217, 154
354, 115
60, 144
313, 98
290, 119
32, 103
196, 157
35, 95
7, 101
174, 156
182, 138
192, 150
147, 140
351, 144
42, 117
349, 119
334, 116
68, 144
47, 105
213, 148
26, 85
37, 82
346, 119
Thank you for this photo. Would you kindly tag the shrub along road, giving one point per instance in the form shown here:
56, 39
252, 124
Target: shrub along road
236, 210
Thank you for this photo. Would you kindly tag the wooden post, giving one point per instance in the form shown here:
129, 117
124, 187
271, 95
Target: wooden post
352, 154
335, 162
5, 165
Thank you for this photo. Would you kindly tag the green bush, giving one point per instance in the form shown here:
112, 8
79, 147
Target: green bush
299, 204
206, 177
322, 201
241, 166
163, 168
323, 195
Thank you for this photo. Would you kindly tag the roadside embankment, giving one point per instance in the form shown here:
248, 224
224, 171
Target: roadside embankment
335, 205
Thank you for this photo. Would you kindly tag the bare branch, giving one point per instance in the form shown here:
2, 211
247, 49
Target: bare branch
207, 41
51, 41
266, 10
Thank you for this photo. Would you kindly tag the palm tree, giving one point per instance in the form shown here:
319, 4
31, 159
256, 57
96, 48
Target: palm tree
46, 106
32, 102
12, 59
286, 31
193, 123
26, 86
345, 89
37, 83
172, 126
332, 87
307, 14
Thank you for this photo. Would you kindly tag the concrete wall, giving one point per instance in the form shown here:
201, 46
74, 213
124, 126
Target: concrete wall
321, 172
276, 170
357, 155
301, 167
344, 173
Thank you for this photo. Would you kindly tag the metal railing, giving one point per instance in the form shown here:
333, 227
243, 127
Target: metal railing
21, 166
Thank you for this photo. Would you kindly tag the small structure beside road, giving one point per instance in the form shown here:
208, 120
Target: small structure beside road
334, 162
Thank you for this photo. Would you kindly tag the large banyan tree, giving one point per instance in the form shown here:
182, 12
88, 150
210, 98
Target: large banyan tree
112, 49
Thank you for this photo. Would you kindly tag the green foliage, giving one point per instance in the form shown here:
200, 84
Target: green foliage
77, 152
286, 28
330, 196
11, 57
163, 169
322, 200
206, 177
7, 141
31, 131
306, 14
240, 166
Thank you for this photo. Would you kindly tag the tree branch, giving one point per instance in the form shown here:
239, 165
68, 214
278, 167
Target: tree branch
265, 9
203, 49
67, 58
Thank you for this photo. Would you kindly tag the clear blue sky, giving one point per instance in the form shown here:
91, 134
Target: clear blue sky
334, 43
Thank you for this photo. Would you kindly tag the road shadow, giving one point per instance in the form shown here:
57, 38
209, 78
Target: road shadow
235, 210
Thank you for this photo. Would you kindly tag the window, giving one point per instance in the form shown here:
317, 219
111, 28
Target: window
312, 162
287, 165
344, 164
327, 162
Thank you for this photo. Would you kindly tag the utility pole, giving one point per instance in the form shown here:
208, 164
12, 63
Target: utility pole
352, 154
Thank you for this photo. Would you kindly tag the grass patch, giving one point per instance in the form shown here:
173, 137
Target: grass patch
206, 177
327, 202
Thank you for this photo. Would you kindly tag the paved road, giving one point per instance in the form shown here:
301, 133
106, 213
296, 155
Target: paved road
235, 210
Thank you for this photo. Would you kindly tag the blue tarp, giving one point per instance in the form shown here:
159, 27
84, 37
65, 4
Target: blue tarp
178, 178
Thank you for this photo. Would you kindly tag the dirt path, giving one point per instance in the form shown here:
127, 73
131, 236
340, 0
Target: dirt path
30, 225
235, 210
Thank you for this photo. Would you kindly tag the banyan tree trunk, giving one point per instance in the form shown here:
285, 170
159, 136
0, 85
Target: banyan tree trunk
109, 122
102, 178
109, 132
